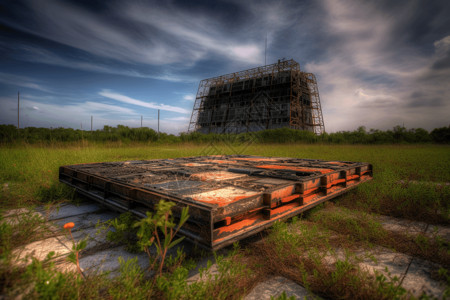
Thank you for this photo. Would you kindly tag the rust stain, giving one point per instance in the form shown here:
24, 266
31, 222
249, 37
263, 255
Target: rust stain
214, 200
284, 208
289, 198
292, 168
257, 159
336, 163
284, 192
237, 198
351, 177
337, 181
206, 176
306, 192
218, 161
308, 199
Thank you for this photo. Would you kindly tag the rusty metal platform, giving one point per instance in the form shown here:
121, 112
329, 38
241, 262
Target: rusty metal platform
229, 197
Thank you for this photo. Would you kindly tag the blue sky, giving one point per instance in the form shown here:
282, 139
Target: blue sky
378, 63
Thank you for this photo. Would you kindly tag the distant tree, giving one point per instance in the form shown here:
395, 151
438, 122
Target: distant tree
441, 135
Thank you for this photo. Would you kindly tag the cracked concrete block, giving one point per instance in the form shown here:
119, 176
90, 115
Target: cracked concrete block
107, 260
40, 249
440, 231
194, 275
420, 279
15, 216
68, 210
84, 221
330, 258
380, 258
275, 286
16, 212
90, 234
402, 225
210, 273
64, 265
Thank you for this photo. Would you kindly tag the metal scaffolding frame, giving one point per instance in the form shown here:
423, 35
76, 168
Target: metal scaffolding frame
272, 96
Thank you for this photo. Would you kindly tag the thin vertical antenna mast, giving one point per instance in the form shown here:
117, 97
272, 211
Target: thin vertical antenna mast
265, 51
92, 120
18, 110
141, 121
158, 122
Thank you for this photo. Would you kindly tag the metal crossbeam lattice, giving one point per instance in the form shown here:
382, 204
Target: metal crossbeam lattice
272, 96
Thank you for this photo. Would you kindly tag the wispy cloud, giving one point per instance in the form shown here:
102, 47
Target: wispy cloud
22, 81
155, 33
178, 119
37, 54
77, 115
189, 97
203, 35
152, 105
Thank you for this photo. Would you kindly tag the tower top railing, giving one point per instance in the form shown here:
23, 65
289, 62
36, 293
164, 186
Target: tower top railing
280, 66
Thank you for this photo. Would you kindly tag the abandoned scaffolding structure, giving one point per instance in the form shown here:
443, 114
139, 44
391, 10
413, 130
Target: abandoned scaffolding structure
267, 97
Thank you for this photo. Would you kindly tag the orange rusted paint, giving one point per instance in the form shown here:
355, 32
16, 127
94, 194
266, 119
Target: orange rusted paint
352, 177
308, 199
285, 208
221, 201
238, 225
283, 192
336, 163
289, 198
307, 192
292, 168
217, 161
237, 198
337, 181
216, 176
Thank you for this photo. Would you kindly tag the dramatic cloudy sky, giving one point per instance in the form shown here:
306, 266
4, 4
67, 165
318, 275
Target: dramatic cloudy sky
378, 63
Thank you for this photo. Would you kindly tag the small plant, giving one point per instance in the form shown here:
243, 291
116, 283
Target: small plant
47, 282
6, 234
388, 286
283, 296
444, 275
130, 284
161, 221
74, 256
124, 232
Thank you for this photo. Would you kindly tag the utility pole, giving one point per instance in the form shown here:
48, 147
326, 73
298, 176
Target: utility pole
158, 122
92, 121
18, 110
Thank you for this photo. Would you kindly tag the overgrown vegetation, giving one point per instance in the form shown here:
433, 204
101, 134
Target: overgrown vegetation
302, 253
409, 182
166, 278
399, 134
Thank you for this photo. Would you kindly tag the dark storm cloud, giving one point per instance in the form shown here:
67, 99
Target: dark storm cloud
379, 54
421, 99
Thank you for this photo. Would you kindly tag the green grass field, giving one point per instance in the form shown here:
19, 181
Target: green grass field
30, 173
407, 183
